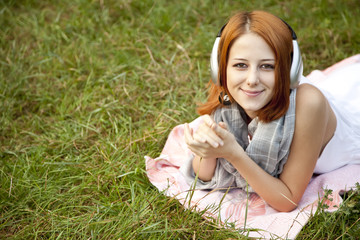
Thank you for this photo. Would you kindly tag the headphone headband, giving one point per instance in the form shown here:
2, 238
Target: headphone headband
296, 69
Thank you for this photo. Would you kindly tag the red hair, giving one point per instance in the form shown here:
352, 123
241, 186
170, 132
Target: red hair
278, 36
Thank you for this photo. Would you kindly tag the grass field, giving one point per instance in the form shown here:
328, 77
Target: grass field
87, 88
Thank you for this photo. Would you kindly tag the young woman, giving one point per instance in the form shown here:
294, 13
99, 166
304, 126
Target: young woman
257, 128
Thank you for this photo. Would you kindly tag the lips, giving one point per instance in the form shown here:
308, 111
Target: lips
252, 93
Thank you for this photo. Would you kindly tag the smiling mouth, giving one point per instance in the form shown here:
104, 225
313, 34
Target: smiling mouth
251, 93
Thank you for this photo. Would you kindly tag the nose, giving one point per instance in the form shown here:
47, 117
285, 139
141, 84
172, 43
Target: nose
253, 77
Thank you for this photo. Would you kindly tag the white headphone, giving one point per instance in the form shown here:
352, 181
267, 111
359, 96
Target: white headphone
296, 70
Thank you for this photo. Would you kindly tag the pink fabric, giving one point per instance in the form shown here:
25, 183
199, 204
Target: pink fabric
230, 208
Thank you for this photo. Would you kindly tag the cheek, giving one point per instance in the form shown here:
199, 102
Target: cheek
269, 79
234, 77
272, 93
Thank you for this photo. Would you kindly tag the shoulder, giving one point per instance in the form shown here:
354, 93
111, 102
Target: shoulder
309, 95
312, 116
310, 103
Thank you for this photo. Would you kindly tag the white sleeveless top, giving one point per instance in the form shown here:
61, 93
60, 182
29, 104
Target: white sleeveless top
342, 89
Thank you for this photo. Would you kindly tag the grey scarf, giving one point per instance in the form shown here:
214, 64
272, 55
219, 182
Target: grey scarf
269, 146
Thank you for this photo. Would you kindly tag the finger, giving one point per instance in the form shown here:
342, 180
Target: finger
206, 134
223, 125
194, 140
199, 137
208, 120
188, 133
211, 123
205, 141
189, 129
220, 130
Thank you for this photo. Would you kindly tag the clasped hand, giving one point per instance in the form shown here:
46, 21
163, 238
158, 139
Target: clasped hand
210, 140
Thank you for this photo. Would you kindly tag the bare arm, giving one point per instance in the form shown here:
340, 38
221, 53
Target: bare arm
205, 137
311, 127
204, 167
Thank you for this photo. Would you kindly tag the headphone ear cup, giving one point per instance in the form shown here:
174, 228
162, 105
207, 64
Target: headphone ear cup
296, 70
214, 63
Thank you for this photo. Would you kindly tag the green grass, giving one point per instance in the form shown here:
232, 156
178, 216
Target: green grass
87, 88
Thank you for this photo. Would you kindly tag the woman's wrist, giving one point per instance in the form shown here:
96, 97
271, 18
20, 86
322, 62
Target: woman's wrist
235, 154
204, 167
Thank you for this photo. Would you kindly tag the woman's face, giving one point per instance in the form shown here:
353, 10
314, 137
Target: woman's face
251, 73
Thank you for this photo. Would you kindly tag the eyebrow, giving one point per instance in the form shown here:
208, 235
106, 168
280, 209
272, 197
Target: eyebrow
263, 60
